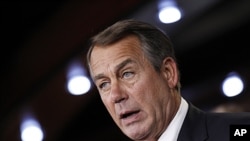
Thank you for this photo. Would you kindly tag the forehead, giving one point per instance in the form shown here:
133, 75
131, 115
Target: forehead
130, 42
110, 55
125, 46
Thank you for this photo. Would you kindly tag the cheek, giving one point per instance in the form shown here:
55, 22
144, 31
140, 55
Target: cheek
150, 92
109, 106
143, 93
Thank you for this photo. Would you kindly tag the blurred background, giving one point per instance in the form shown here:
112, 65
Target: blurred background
46, 93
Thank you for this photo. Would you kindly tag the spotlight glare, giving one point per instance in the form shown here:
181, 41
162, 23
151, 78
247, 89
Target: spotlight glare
31, 131
169, 14
78, 85
232, 86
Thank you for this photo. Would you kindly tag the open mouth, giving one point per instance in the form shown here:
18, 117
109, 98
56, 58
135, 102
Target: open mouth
128, 114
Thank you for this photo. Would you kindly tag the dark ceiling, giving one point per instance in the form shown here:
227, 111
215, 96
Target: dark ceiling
40, 39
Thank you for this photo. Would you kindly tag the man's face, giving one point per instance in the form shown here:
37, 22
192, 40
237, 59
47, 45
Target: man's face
137, 97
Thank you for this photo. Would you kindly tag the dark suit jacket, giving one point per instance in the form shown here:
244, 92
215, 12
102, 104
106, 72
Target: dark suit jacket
201, 126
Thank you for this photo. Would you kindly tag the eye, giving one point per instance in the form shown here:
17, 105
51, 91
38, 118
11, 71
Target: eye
104, 85
127, 75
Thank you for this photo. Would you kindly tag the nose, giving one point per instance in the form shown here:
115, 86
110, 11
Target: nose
117, 93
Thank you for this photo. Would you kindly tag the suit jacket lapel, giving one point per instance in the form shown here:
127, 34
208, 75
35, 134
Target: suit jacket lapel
194, 127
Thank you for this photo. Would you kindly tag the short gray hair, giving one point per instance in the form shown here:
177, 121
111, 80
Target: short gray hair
155, 44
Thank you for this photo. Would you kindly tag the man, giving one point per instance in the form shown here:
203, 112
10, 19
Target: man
135, 70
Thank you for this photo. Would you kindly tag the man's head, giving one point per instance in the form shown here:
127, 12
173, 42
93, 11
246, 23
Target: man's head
134, 68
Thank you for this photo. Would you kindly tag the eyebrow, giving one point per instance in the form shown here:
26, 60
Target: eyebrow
117, 68
123, 64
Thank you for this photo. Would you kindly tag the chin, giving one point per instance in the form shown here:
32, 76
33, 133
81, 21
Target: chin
136, 133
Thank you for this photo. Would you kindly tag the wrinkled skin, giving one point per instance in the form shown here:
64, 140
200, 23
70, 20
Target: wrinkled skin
141, 101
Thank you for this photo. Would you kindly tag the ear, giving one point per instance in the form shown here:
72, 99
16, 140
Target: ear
170, 72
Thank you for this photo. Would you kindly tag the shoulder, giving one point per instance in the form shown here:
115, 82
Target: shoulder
226, 118
211, 126
219, 124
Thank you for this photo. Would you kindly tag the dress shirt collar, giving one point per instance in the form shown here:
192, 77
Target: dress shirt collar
173, 129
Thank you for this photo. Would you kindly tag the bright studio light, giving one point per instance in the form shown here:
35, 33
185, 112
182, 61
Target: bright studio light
232, 85
169, 15
78, 85
31, 131
168, 12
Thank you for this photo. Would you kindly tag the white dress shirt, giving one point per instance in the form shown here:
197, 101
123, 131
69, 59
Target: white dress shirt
173, 129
